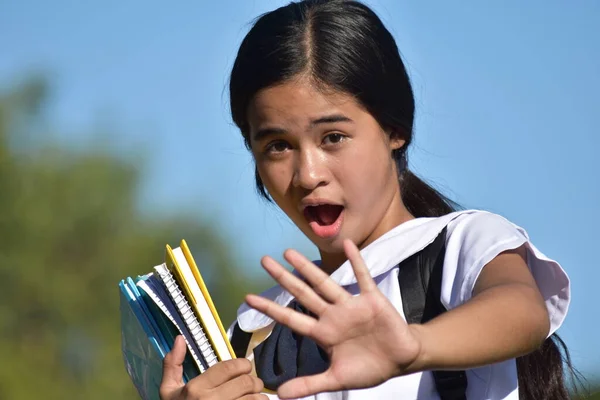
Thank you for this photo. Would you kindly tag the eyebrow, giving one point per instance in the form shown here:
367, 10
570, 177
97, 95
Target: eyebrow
330, 119
261, 134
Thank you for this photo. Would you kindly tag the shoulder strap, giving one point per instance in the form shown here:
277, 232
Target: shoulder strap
420, 279
239, 341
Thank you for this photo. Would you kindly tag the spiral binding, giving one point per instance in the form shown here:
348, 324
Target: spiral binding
190, 319
162, 306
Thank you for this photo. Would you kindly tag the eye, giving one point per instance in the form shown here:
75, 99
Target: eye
278, 146
333, 138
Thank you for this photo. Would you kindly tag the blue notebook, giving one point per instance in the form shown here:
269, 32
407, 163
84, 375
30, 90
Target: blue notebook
142, 348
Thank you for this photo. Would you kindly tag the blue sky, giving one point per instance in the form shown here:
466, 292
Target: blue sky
507, 95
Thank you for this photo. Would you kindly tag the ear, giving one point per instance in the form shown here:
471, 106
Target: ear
396, 140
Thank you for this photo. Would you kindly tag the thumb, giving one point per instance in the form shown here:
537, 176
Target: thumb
309, 385
172, 379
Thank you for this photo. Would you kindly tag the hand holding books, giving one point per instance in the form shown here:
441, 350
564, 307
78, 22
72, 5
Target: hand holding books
226, 380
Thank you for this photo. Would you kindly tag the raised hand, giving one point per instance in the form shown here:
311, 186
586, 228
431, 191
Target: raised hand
365, 337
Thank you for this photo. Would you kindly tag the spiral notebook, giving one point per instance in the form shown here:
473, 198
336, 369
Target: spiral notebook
169, 301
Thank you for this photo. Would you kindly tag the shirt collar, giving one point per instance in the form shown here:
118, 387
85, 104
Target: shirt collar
380, 256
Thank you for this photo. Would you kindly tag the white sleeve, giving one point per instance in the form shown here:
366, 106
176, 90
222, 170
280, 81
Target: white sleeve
473, 240
230, 330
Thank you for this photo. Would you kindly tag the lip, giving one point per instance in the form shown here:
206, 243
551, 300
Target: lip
316, 202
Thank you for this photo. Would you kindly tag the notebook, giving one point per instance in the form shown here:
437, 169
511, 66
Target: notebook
170, 300
183, 268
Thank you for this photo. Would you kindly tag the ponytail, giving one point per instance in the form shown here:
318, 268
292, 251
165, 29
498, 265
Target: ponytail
421, 200
541, 373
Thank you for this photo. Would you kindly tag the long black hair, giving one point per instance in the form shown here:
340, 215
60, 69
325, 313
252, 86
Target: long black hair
343, 45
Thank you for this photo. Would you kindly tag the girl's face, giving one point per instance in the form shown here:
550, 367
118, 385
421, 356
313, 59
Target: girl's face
327, 164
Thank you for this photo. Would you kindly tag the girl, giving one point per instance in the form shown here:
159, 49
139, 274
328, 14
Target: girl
324, 103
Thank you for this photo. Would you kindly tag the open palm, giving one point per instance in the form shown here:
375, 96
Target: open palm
365, 337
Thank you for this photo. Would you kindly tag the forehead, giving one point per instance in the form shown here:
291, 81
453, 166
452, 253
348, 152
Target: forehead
298, 101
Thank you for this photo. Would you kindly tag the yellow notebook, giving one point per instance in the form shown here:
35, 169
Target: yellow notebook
185, 271
196, 272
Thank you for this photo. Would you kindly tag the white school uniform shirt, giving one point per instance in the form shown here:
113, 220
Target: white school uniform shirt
473, 239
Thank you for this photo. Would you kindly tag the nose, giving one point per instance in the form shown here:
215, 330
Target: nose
310, 170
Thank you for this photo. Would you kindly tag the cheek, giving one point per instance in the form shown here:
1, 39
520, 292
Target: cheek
371, 181
275, 177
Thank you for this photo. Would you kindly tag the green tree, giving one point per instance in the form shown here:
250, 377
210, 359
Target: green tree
69, 231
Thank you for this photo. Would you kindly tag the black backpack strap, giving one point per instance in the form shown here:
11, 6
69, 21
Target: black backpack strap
239, 341
420, 279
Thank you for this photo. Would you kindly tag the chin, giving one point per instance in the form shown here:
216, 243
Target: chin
328, 245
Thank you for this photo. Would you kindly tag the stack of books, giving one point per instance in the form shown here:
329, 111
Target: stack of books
169, 301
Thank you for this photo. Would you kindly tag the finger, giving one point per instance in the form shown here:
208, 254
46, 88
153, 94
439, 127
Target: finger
239, 386
308, 385
361, 271
300, 323
300, 290
255, 397
172, 378
318, 279
222, 372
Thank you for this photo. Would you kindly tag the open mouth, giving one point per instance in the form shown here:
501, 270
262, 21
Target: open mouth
324, 219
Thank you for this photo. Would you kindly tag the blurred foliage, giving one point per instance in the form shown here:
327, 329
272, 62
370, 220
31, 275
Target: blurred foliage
69, 231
